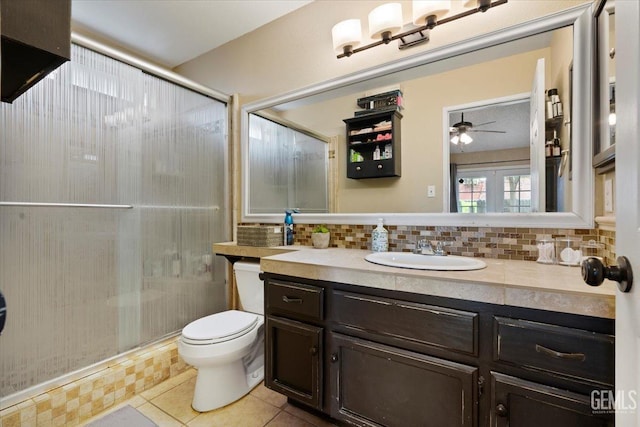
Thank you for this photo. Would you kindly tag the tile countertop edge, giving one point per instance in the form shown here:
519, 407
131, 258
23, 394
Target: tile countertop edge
517, 283
233, 249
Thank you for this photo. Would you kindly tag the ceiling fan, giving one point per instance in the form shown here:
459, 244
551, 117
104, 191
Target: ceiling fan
460, 131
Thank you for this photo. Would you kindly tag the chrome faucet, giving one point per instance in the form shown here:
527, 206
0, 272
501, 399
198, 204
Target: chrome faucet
424, 247
440, 251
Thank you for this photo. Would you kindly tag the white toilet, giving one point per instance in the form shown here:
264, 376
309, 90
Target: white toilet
228, 348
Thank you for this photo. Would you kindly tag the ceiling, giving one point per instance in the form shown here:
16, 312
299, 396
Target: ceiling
510, 117
171, 32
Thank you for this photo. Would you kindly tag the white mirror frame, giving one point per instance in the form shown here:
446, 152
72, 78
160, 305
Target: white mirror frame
582, 184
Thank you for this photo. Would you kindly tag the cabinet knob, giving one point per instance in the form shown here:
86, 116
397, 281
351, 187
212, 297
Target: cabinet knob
501, 410
379, 166
313, 350
334, 358
358, 168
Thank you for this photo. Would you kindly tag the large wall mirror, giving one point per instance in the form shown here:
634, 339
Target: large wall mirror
499, 82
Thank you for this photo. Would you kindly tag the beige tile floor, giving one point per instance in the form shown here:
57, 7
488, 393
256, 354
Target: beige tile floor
169, 404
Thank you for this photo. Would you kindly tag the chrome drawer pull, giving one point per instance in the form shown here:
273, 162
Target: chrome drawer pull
291, 300
557, 355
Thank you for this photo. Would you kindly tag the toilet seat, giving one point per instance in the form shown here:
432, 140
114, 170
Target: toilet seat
219, 327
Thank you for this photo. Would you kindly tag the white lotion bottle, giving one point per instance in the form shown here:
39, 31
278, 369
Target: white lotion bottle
380, 238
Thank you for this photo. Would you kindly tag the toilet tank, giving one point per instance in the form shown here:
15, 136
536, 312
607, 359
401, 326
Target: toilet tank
250, 287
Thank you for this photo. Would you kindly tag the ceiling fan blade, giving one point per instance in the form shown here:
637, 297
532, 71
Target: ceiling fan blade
485, 123
487, 131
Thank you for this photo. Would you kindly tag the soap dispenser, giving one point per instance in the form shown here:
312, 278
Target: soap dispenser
380, 238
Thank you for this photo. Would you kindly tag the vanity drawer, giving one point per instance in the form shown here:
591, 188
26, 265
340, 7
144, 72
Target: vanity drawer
295, 300
566, 351
422, 324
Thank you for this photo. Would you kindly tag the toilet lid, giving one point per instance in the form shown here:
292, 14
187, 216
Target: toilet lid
220, 325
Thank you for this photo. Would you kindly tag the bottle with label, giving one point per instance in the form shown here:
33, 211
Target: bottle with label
288, 228
556, 148
380, 238
376, 153
387, 152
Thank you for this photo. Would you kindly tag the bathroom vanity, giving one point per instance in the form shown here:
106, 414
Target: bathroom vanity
517, 343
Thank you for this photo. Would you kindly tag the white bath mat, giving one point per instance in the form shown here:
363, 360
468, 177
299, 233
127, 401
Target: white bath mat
127, 416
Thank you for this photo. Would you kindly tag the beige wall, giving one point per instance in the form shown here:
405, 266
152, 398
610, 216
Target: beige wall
296, 50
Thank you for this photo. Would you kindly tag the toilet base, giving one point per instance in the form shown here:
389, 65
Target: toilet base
218, 386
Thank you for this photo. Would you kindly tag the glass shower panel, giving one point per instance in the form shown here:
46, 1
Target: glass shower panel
183, 186
310, 170
270, 147
287, 169
75, 279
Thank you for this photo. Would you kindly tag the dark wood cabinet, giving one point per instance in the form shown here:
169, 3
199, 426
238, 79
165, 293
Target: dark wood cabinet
376, 357
294, 344
521, 403
380, 385
373, 145
294, 360
570, 352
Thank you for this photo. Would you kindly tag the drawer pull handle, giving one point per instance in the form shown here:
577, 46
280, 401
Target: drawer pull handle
334, 358
313, 350
291, 300
557, 355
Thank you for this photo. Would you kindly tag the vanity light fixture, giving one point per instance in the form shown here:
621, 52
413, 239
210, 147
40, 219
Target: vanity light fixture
386, 20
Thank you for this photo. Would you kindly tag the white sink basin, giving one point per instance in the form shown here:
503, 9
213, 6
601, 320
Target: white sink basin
425, 262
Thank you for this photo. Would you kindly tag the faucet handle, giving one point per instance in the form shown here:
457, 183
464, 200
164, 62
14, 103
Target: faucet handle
440, 248
423, 246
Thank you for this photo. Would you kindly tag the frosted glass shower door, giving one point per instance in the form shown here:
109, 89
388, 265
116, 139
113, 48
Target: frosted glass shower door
287, 169
135, 169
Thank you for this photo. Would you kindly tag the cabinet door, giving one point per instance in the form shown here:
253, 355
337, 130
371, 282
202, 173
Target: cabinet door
516, 402
374, 385
293, 360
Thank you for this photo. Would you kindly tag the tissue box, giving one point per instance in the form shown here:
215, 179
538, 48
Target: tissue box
260, 235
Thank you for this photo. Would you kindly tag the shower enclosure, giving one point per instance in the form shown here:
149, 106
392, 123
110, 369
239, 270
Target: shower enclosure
113, 184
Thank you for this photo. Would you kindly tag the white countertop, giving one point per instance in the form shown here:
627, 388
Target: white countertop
505, 282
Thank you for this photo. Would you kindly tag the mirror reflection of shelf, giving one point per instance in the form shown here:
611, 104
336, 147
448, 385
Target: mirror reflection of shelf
373, 145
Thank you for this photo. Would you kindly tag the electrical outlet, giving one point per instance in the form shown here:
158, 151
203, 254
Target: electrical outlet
431, 191
608, 195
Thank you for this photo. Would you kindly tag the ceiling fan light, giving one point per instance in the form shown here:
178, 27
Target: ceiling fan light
385, 19
346, 33
465, 138
455, 139
425, 8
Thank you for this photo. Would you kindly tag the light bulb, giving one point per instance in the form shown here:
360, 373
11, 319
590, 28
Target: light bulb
455, 139
465, 138
385, 20
346, 35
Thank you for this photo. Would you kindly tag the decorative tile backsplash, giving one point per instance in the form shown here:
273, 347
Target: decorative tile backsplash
486, 242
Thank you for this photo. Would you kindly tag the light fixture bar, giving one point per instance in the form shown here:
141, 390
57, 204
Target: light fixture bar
425, 28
